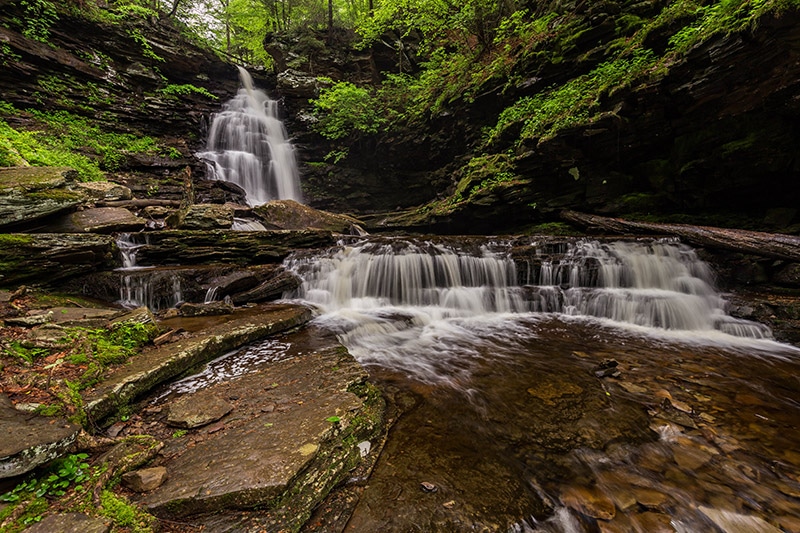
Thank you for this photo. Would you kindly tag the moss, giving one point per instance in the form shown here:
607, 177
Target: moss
125, 514
15, 239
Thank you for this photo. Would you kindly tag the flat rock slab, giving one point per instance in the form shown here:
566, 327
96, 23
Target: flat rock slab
289, 414
151, 368
70, 523
28, 440
100, 220
194, 411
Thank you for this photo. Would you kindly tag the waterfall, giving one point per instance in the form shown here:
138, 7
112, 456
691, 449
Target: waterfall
661, 284
145, 286
431, 310
248, 145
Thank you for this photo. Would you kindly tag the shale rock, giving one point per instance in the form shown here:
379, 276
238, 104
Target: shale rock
146, 479
194, 411
100, 220
52, 258
288, 214
28, 194
105, 190
271, 289
206, 309
28, 440
203, 217
70, 523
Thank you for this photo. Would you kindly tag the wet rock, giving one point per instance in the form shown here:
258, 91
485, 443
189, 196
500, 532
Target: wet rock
271, 289
789, 275
427, 486
288, 214
194, 411
548, 391
632, 387
649, 498
730, 522
284, 462
178, 247
234, 282
70, 523
146, 479
589, 501
653, 522
28, 440
140, 315
607, 368
28, 194
211, 308
153, 367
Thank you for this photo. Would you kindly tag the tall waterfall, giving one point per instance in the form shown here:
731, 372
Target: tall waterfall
248, 145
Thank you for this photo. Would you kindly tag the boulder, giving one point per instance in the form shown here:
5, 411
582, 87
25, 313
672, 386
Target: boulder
298, 84
234, 282
28, 194
288, 214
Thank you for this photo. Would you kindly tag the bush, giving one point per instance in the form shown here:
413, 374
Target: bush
344, 109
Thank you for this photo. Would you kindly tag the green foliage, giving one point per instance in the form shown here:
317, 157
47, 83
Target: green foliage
186, 89
178, 433
147, 50
344, 109
575, 102
40, 15
7, 55
56, 480
25, 352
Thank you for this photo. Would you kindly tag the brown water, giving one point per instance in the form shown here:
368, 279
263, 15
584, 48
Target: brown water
534, 441
581, 388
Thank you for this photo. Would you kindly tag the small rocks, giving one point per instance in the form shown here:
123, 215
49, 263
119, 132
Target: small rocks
427, 486
194, 411
607, 368
146, 479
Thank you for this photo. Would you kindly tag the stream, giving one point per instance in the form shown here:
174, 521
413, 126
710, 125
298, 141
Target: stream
602, 387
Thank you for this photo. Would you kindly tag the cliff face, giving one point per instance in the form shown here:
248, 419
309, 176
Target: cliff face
120, 76
716, 136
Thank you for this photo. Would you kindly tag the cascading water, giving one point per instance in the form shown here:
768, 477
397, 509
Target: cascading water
248, 145
503, 347
406, 305
145, 286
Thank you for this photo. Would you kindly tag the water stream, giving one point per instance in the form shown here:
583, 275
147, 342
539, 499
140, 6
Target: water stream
248, 145
500, 353
153, 287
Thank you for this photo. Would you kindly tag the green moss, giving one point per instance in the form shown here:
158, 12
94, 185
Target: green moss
125, 514
15, 239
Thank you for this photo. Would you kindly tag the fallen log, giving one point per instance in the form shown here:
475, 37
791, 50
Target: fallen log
776, 245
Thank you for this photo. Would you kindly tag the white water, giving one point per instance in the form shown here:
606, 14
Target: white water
145, 286
248, 145
428, 309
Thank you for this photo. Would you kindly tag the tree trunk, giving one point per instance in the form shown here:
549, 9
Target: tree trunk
775, 245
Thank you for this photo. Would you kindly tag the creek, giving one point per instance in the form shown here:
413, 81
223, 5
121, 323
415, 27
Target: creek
598, 386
